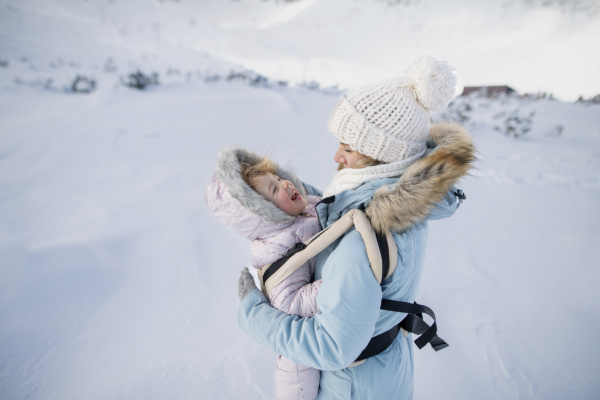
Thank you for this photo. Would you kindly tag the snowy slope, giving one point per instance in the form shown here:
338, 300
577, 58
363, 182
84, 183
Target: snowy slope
531, 45
115, 283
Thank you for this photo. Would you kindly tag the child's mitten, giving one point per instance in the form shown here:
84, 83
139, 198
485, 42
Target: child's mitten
246, 283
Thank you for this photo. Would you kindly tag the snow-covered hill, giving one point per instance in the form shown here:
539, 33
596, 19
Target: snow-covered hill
533, 46
115, 283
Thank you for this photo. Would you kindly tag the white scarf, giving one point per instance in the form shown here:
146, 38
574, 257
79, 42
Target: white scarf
350, 178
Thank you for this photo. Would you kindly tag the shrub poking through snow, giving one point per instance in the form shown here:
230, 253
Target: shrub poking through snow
83, 84
249, 77
212, 78
4, 63
556, 131
312, 85
591, 100
516, 125
140, 81
458, 110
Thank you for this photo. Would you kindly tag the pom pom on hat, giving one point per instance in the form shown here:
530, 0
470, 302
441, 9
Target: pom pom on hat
433, 82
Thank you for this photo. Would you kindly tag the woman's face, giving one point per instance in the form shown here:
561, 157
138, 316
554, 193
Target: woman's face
346, 156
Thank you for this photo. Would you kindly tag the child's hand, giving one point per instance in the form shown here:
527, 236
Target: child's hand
245, 284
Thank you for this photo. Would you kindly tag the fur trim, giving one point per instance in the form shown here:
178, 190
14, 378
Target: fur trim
351, 178
229, 168
425, 182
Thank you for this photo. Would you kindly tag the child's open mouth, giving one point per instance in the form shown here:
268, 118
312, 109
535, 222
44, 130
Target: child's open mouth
295, 195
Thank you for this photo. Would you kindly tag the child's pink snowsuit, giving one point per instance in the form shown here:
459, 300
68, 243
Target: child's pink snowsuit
295, 295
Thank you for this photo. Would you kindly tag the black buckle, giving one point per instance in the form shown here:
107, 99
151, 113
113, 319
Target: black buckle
460, 194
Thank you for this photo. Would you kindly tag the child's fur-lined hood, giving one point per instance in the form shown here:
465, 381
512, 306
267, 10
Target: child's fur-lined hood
229, 166
234, 203
399, 206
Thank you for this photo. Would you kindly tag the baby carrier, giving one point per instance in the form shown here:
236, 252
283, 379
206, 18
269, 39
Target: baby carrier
383, 257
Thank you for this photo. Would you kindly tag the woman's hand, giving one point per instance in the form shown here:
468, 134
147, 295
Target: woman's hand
245, 283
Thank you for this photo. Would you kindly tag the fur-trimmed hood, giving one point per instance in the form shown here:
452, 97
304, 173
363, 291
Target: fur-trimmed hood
398, 207
234, 203
396, 204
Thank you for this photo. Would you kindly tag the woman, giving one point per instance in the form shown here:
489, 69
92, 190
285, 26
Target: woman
401, 172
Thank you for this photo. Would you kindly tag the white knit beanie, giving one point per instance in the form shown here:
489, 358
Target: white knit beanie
389, 121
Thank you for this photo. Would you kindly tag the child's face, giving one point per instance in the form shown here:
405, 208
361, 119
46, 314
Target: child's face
281, 193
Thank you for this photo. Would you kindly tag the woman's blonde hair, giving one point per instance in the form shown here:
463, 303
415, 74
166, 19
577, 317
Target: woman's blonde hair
251, 172
362, 163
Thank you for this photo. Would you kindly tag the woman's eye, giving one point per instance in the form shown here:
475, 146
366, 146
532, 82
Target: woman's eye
348, 151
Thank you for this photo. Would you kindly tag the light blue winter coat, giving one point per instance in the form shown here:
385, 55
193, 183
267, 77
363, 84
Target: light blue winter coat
350, 298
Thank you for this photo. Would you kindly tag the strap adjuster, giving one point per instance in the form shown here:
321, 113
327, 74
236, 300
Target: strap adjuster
460, 194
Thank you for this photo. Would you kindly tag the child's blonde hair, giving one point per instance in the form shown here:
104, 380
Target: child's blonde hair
251, 172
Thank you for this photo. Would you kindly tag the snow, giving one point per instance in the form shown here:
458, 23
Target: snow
115, 283
531, 45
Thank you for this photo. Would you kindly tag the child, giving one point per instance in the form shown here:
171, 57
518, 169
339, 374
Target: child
258, 200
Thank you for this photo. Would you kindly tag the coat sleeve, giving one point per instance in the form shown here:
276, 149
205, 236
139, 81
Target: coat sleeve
349, 301
311, 190
448, 205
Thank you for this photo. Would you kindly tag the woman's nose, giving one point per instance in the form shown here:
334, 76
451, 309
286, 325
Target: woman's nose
338, 157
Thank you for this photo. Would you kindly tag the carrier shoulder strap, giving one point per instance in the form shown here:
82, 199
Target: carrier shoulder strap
383, 257
381, 251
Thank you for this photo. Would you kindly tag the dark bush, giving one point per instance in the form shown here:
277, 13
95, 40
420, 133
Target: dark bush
83, 84
249, 77
517, 125
140, 81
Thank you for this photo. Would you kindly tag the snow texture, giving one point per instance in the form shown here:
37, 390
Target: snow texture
116, 283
